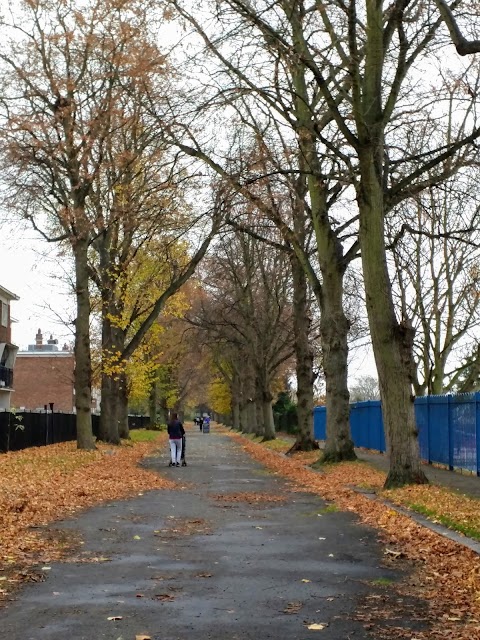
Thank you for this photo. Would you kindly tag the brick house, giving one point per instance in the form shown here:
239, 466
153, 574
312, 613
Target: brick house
8, 351
44, 374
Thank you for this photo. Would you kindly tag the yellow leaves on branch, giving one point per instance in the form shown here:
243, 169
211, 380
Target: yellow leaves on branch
219, 396
112, 364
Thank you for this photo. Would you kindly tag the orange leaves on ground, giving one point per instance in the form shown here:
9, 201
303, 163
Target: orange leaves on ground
447, 574
438, 501
42, 484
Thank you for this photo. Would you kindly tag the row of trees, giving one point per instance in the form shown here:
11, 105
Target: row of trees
323, 136
245, 319
320, 104
84, 162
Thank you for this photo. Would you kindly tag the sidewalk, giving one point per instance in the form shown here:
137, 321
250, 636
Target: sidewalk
218, 558
463, 483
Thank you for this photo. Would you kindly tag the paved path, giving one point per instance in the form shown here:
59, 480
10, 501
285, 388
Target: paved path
183, 565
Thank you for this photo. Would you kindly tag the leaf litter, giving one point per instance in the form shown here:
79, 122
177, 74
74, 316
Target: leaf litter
42, 484
250, 498
447, 574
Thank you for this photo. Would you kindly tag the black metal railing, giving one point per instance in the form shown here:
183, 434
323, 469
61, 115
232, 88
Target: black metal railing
6, 376
23, 429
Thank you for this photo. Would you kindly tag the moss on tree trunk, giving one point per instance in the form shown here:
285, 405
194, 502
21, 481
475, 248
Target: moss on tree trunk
83, 368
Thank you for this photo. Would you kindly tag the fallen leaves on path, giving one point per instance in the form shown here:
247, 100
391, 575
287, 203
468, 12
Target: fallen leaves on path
317, 626
249, 497
43, 484
181, 527
164, 597
293, 607
447, 574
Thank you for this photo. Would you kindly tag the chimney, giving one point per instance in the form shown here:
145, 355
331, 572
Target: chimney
39, 338
52, 341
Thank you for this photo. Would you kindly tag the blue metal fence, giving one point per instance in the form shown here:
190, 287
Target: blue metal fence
448, 427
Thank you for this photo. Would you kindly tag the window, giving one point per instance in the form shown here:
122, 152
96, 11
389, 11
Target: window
4, 318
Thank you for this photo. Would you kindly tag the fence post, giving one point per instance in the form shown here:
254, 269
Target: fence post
428, 430
450, 434
477, 430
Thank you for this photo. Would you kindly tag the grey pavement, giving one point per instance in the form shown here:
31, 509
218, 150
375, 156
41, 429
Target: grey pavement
183, 564
465, 483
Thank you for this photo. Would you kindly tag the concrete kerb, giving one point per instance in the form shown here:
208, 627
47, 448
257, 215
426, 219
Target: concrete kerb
470, 543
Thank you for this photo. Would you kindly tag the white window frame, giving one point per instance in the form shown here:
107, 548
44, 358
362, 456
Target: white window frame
4, 319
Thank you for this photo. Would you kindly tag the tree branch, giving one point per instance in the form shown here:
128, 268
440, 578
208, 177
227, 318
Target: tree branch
463, 46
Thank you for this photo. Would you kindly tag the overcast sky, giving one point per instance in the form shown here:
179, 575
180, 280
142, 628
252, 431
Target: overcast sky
31, 268
28, 267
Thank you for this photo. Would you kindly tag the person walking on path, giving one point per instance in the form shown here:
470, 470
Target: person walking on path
175, 435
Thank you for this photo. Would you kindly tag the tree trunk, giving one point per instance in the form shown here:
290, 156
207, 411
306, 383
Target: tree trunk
163, 411
305, 440
259, 412
252, 417
152, 404
83, 366
109, 406
392, 341
122, 412
236, 415
268, 423
244, 424
334, 327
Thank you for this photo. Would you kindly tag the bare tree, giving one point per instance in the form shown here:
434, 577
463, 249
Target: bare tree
434, 240
279, 110
365, 388
251, 286
83, 165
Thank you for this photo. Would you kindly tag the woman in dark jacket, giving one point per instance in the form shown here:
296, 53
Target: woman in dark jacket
175, 434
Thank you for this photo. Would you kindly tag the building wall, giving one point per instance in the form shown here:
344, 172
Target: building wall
41, 379
5, 334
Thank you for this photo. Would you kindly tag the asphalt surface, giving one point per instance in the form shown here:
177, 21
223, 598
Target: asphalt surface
184, 564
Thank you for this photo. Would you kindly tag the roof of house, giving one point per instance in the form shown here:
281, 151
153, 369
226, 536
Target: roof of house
8, 294
45, 354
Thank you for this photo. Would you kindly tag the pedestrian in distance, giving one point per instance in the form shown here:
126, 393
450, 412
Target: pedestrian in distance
200, 423
206, 424
175, 434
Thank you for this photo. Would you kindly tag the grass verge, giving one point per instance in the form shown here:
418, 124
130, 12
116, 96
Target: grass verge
144, 435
